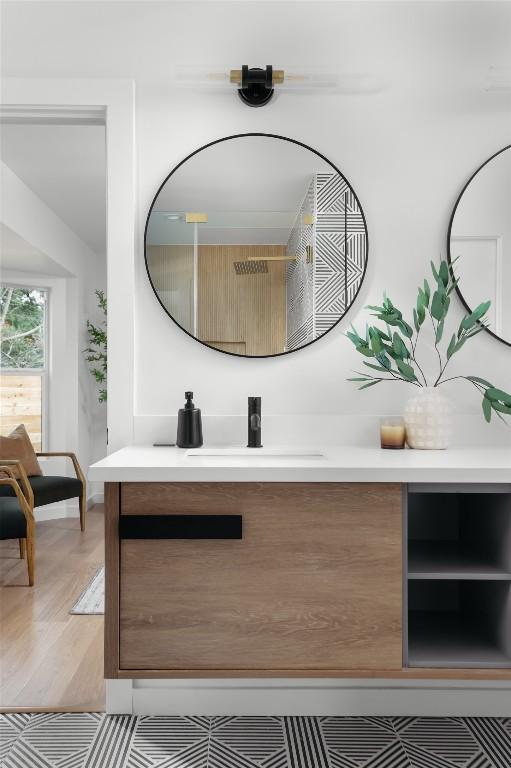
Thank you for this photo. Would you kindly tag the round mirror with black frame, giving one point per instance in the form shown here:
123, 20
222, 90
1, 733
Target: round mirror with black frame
479, 237
256, 245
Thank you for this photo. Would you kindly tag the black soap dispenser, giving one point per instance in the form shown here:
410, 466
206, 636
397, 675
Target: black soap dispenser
189, 425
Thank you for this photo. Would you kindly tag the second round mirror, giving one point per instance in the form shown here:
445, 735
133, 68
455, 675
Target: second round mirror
480, 238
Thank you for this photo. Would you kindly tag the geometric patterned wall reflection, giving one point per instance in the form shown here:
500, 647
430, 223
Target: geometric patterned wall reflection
341, 248
319, 293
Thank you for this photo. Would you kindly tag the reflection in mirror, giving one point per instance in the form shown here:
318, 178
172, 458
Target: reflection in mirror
480, 235
256, 245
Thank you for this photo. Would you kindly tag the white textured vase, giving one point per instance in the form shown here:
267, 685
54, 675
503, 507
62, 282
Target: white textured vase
428, 420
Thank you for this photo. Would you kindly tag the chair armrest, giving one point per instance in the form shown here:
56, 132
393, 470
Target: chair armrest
22, 480
72, 456
26, 509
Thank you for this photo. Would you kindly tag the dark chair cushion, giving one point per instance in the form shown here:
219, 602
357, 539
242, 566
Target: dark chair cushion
13, 524
49, 489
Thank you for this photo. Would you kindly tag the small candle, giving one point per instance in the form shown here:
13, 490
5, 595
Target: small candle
392, 433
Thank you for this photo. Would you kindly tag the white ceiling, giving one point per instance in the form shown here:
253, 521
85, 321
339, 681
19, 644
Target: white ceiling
64, 165
257, 183
252, 173
20, 256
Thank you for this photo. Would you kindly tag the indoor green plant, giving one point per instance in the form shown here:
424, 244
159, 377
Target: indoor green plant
96, 352
391, 353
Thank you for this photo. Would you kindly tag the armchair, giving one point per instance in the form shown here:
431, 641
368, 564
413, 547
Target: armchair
47, 489
16, 516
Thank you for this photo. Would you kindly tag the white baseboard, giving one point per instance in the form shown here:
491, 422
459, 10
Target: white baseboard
423, 698
65, 508
56, 511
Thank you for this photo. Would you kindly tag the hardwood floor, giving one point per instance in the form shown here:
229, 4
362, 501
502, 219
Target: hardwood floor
51, 659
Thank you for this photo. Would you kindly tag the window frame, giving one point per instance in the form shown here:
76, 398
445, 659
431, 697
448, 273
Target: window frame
45, 370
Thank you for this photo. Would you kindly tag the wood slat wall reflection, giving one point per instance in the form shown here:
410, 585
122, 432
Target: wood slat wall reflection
245, 314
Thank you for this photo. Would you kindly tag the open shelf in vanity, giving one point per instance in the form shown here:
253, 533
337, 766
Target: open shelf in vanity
458, 577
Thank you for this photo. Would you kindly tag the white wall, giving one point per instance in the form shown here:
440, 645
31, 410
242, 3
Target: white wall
406, 167
407, 151
76, 421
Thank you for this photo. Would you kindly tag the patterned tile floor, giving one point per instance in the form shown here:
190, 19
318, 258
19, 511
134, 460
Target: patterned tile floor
99, 741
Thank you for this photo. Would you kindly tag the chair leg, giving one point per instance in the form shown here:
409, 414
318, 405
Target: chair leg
30, 561
83, 509
22, 548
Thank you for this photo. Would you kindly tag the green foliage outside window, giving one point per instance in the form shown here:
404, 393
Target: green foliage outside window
22, 327
96, 351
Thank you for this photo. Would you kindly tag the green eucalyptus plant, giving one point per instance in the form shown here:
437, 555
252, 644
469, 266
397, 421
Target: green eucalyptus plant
392, 351
96, 352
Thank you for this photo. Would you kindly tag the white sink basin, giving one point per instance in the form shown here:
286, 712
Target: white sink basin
255, 453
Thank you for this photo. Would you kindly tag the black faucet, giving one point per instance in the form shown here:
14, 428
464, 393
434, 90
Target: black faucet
254, 422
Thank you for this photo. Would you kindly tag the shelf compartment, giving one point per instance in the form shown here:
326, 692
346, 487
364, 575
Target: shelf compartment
459, 624
439, 639
451, 560
459, 536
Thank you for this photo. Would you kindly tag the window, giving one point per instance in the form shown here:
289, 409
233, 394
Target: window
23, 313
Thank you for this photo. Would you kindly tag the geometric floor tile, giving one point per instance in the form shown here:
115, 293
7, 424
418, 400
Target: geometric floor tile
419, 757
306, 746
443, 737
22, 755
169, 741
393, 756
493, 738
50, 740
10, 730
221, 755
358, 739
112, 742
57, 738
254, 738
76, 740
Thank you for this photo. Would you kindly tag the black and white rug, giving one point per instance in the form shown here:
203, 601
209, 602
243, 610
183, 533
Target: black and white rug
100, 741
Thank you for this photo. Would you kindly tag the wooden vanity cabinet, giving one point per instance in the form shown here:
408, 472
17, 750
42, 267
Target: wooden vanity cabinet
313, 585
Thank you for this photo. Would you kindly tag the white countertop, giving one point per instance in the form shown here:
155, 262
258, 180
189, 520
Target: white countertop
145, 463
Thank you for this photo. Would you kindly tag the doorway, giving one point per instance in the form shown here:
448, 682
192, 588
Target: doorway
53, 280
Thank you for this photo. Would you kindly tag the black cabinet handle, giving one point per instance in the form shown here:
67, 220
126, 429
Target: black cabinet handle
180, 527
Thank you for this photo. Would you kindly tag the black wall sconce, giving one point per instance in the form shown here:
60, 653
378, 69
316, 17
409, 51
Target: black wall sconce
256, 85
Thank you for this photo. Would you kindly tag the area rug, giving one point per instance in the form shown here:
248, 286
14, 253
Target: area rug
92, 599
